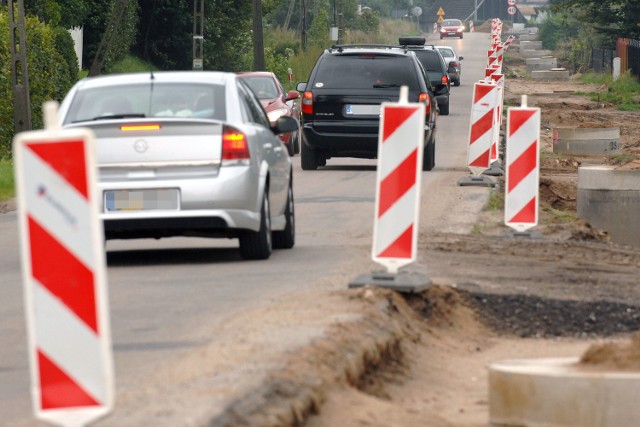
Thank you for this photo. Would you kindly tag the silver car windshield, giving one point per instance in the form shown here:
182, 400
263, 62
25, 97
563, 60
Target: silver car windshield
148, 100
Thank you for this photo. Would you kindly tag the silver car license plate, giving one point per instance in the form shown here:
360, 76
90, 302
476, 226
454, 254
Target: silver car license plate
362, 110
138, 200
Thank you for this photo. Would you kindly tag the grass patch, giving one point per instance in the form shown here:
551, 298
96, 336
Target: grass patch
621, 158
496, 201
629, 107
623, 92
130, 64
7, 187
560, 216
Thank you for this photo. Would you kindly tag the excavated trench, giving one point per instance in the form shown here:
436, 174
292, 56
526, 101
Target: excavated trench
369, 353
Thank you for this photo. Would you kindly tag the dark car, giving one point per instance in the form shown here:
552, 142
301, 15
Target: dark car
341, 101
277, 103
454, 63
451, 28
436, 68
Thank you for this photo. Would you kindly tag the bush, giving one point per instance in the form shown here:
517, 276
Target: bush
49, 76
64, 45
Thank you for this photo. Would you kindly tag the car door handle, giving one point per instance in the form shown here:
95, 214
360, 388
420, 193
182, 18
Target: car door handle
278, 149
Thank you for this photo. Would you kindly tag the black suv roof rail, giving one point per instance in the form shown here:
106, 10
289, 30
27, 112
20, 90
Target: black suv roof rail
341, 47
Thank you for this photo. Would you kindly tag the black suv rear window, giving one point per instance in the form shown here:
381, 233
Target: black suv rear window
365, 71
430, 59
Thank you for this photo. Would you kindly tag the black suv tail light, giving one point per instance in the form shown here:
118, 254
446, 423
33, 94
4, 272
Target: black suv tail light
424, 98
445, 80
307, 102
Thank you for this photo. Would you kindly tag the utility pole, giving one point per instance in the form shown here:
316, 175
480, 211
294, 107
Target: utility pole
303, 24
198, 35
287, 19
258, 36
19, 73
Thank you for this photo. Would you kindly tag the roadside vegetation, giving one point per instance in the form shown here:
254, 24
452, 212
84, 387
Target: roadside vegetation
6, 179
623, 92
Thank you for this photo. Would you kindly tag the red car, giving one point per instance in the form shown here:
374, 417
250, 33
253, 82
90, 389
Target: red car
451, 28
276, 103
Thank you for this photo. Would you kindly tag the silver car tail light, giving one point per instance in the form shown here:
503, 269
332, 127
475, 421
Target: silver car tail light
235, 147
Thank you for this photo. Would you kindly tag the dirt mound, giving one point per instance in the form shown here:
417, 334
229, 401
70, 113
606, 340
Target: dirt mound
620, 355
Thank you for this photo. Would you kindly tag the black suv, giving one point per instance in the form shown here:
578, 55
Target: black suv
341, 101
436, 67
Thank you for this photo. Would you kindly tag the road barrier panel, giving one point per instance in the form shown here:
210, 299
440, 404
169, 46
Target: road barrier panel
483, 111
522, 167
64, 274
495, 168
508, 42
397, 205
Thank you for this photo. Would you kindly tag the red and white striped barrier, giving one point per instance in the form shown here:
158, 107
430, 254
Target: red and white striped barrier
471, 27
63, 268
435, 27
400, 152
508, 42
497, 56
495, 140
483, 113
522, 167
493, 69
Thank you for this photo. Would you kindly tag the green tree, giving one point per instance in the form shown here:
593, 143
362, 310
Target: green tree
319, 30
611, 18
227, 31
64, 13
169, 50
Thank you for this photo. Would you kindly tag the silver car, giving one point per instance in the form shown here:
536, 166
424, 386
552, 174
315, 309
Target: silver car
454, 63
187, 154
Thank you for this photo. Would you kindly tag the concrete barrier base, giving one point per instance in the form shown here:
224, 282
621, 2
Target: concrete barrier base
586, 141
609, 198
550, 75
534, 53
541, 64
530, 44
528, 37
560, 393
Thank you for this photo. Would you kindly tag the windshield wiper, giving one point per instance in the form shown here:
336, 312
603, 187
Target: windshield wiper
117, 116
385, 85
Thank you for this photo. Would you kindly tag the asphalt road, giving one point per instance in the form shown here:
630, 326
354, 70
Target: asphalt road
162, 293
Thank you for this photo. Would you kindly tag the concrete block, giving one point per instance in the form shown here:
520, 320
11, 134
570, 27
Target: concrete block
609, 198
537, 64
534, 53
586, 141
527, 37
559, 393
550, 75
532, 44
